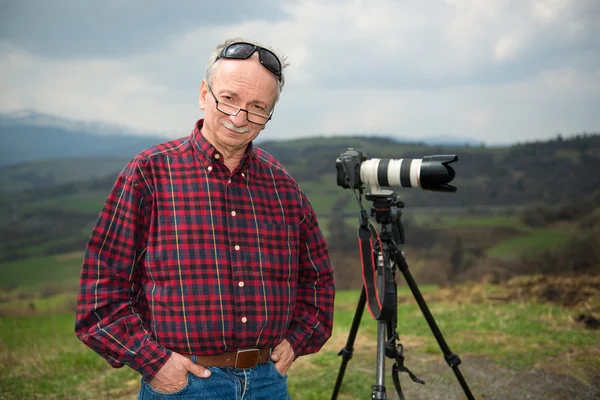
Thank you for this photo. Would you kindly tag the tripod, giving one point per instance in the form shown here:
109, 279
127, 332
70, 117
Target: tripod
379, 288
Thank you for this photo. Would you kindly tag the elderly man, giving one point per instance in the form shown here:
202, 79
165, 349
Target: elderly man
206, 271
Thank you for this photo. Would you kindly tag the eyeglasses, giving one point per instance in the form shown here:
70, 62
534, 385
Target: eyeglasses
232, 110
243, 50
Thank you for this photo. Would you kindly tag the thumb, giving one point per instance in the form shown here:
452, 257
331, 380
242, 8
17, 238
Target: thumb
275, 356
199, 370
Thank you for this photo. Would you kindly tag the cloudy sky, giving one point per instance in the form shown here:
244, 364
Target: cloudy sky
497, 71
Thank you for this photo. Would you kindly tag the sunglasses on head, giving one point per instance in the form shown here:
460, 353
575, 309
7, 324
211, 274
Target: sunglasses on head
243, 50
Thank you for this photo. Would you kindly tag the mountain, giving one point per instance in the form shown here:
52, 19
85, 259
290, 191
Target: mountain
28, 136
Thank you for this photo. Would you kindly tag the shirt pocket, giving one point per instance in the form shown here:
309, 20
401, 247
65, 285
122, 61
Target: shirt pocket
277, 250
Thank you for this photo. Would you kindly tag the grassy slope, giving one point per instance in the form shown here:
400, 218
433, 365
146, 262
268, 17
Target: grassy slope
35, 274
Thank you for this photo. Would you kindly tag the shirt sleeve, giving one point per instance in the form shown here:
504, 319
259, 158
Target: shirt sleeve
313, 319
107, 320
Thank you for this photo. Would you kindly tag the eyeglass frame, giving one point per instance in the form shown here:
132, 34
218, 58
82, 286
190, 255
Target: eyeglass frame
239, 109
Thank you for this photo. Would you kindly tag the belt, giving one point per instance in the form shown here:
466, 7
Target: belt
241, 359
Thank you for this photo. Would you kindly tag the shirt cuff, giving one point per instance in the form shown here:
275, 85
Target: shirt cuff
150, 359
298, 337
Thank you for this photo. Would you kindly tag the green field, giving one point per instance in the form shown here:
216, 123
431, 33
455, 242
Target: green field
90, 202
530, 243
41, 358
496, 221
34, 274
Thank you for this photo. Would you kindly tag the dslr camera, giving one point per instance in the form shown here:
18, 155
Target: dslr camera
355, 170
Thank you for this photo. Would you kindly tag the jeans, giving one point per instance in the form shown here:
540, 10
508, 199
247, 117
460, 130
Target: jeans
261, 382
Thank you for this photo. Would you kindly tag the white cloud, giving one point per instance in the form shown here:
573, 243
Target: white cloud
549, 10
496, 71
506, 48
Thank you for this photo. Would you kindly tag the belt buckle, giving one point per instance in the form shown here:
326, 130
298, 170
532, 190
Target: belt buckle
247, 358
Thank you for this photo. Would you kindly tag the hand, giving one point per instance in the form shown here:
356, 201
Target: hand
173, 375
283, 356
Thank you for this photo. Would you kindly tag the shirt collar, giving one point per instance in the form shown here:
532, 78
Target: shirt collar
207, 153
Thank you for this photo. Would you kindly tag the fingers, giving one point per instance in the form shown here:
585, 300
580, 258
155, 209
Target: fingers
283, 356
198, 370
192, 367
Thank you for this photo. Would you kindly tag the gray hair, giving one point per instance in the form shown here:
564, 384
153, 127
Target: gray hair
212, 63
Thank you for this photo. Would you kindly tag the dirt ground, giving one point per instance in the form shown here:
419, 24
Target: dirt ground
549, 381
488, 381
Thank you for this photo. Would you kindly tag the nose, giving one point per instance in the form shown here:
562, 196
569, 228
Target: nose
240, 119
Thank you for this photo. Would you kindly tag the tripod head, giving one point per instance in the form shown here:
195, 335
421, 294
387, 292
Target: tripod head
387, 210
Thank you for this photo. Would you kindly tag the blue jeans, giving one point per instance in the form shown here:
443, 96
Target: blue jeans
261, 382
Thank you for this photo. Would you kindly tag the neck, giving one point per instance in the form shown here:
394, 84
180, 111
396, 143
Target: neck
231, 155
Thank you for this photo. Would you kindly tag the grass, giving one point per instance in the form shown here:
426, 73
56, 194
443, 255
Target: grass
41, 358
453, 221
33, 274
87, 202
514, 335
532, 243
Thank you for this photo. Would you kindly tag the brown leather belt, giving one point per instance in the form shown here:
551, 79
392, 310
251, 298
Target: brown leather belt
241, 359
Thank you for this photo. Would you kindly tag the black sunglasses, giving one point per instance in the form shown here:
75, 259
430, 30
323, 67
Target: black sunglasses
243, 50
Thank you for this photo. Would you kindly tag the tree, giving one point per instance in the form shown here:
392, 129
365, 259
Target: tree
457, 257
341, 235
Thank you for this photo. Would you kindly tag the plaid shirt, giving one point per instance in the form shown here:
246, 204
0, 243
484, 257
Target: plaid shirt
189, 257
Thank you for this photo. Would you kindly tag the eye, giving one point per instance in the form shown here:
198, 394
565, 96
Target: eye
259, 108
228, 98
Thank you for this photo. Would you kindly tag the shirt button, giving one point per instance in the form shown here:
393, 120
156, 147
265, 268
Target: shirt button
217, 156
237, 247
244, 319
233, 213
241, 284
209, 168
243, 174
229, 181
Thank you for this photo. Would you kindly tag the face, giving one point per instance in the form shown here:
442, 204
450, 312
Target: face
245, 84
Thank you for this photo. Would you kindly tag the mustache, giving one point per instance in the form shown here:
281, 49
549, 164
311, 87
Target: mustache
230, 125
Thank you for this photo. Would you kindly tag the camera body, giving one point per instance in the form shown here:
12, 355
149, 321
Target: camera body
355, 169
348, 168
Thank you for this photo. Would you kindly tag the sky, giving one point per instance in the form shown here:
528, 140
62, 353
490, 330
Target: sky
495, 71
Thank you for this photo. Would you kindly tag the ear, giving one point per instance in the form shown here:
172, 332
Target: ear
203, 94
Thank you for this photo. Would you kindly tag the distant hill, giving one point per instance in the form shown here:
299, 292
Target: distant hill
48, 207
51, 152
47, 173
544, 172
30, 136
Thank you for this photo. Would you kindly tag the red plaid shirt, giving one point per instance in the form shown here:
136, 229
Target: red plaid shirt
189, 257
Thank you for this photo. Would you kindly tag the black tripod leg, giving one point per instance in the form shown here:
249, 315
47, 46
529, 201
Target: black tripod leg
347, 351
452, 359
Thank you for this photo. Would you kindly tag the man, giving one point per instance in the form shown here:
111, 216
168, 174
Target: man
206, 271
